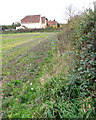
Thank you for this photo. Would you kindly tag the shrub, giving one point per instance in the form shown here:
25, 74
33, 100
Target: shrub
76, 99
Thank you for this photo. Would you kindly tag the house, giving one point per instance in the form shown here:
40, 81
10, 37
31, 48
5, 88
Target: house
52, 23
43, 19
36, 22
33, 22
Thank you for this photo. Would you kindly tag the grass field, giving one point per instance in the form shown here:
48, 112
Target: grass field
23, 56
22, 52
30, 62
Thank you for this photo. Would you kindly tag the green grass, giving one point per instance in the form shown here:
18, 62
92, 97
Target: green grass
29, 58
13, 40
23, 54
21, 51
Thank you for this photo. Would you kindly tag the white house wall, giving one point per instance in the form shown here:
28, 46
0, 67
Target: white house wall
32, 25
44, 25
17, 28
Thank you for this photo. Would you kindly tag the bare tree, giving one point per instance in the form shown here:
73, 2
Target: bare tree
70, 11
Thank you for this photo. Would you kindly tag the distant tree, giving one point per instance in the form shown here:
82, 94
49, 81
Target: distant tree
4, 27
58, 25
17, 24
47, 24
13, 24
70, 12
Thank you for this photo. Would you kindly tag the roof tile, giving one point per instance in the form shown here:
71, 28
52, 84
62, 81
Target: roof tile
31, 18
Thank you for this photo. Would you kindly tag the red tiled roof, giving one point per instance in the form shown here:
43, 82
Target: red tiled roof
31, 19
43, 19
51, 23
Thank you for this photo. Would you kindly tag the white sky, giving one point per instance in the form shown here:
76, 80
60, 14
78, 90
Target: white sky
14, 10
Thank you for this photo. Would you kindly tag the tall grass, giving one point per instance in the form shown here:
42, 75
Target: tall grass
72, 95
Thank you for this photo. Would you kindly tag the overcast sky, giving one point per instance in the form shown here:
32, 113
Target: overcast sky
14, 10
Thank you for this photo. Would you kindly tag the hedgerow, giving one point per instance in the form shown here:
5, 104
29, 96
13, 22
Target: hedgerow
76, 99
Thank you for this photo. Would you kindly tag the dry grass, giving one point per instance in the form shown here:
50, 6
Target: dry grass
61, 61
